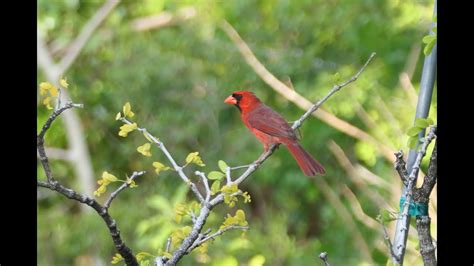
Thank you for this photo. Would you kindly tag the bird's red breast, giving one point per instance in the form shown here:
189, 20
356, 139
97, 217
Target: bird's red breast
270, 127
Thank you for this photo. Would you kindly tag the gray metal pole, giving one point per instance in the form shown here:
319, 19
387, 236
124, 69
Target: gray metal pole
422, 110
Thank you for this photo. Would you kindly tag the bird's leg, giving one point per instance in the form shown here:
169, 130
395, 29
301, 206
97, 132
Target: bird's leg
266, 147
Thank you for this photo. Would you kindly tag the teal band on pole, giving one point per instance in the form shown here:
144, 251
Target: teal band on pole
415, 208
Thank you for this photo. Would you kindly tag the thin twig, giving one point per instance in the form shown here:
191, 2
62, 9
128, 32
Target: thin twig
40, 139
227, 175
214, 235
411, 182
324, 257
334, 89
75, 48
168, 244
252, 167
176, 167
387, 238
114, 194
400, 166
206, 184
52, 184
293, 96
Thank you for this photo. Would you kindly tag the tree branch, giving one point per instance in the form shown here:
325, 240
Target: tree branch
254, 166
297, 98
427, 249
206, 184
411, 184
114, 194
52, 184
122, 249
176, 167
163, 19
75, 48
40, 139
400, 166
324, 257
212, 236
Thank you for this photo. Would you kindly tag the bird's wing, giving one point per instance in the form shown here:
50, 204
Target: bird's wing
270, 122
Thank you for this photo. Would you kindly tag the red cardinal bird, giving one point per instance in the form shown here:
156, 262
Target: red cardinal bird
269, 127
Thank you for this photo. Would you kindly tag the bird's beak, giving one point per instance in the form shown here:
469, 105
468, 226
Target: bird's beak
230, 100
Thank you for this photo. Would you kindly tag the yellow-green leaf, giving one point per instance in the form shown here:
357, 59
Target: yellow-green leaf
412, 142
257, 260
125, 129
53, 91
145, 149
222, 165
127, 110
132, 183
240, 215
142, 255
193, 157
64, 83
413, 131
46, 102
44, 88
116, 258
101, 190
216, 186
109, 177
246, 197
160, 167
214, 175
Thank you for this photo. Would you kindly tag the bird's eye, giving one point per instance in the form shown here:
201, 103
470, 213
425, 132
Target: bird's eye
237, 96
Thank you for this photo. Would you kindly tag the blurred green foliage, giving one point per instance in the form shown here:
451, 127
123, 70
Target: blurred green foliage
176, 79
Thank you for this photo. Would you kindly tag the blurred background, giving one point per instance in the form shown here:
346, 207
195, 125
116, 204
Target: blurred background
175, 63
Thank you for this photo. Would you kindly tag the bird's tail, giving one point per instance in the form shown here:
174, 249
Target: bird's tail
307, 163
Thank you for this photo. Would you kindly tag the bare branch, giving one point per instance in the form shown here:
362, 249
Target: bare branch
227, 175
40, 139
58, 154
75, 48
214, 235
297, 98
254, 166
401, 168
176, 167
114, 194
164, 19
324, 257
52, 184
432, 175
168, 244
386, 237
206, 184
427, 249
411, 183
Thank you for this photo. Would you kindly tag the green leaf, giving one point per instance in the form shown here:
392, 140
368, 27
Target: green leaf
429, 48
428, 38
336, 77
422, 123
142, 255
214, 175
222, 165
430, 121
386, 216
257, 260
412, 142
116, 258
216, 187
413, 131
